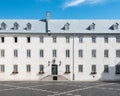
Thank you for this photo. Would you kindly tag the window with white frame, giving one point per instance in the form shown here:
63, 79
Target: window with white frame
2, 52
93, 39
29, 26
80, 39
118, 39
117, 53
28, 68
80, 53
106, 53
54, 52
54, 39
93, 53
3, 26
106, 39
41, 53
67, 39
2, 39
15, 68
106, 68
93, 69
28, 39
15, 53
67, 26
41, 68
41, 39
28, 53
2, 68
67, 68
67, 53
16, 26
15, 39
80, 68
117, 69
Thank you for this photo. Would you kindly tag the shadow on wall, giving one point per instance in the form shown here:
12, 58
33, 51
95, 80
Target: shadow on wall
111, 73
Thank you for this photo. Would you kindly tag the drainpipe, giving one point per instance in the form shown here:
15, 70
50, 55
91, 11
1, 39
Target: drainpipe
73, 58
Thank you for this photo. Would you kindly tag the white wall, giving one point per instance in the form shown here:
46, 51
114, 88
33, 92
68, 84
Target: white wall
9, 60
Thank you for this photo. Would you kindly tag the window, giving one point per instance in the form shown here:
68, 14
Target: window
93, 53
15, 39
2, 53
2, 39
93, 69
54, 39
54, 52
29, 26
80, 39
41, 68
67, 69
93, 39
28, 68
41, 53
106, 39
117, 53
67, 26
118, 39
28, 53
80, 68
28, 39
106, 53
106, 69
2, 68
15, 68
67, 39
15, 53
67, 53
80, 53
41, 39
16, 26
3, 26
117, 69
115, 26
92, 26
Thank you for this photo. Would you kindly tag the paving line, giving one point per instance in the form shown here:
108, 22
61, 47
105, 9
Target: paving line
83, 88
35, 89
9, 89
108, 88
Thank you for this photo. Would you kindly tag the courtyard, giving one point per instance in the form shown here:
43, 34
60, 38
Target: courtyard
57, 88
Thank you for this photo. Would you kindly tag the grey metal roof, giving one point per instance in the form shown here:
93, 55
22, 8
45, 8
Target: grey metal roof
57, 26
80, 26
37, 26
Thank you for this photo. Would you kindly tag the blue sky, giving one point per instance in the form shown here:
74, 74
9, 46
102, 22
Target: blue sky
60, 9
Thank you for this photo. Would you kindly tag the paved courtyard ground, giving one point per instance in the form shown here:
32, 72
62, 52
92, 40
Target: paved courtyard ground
55, 88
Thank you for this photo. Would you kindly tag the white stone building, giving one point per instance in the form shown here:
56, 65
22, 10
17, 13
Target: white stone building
80, 50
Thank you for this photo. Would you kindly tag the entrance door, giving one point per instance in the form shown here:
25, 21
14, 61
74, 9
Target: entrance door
54, 69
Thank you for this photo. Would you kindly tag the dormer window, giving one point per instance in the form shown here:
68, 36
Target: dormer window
114, 26
16, 26
3, 26
91, 27
67, 26
29, 26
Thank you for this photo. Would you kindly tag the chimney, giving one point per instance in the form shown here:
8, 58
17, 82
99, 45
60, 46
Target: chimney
47, 16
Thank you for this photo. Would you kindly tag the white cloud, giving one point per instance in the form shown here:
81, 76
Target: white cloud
72, 3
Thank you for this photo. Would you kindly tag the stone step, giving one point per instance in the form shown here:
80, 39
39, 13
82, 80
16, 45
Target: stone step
50, 78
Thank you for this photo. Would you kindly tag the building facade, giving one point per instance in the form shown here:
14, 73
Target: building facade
80, 50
